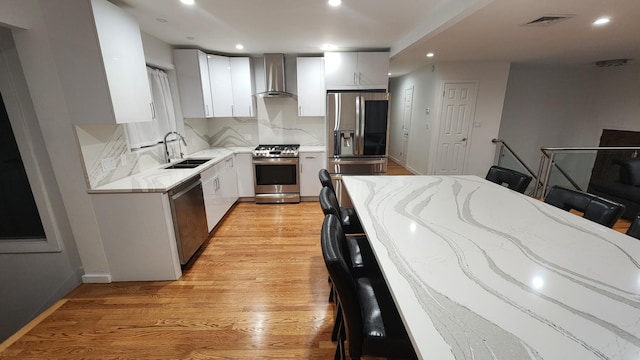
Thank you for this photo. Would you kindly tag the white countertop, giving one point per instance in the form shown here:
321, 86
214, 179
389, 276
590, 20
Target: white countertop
307, 148
481, 272
162, 180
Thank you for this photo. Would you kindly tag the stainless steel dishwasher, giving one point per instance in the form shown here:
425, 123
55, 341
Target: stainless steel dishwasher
189, 217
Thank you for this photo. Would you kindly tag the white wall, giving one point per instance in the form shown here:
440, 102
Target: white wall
492, 83
568, 107
13, 15
63, 93
31, 282
425, 86
616, 101
428, 82
545, 107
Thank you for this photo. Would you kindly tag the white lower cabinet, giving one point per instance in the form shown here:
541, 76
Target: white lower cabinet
137, 235
228, 182
213, 203
244, 171
310, 165
220, 190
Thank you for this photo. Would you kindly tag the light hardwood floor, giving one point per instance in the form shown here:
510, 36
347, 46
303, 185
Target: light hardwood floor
258, 290
393, 168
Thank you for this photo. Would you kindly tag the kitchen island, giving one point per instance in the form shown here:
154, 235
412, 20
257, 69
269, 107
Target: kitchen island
478, 271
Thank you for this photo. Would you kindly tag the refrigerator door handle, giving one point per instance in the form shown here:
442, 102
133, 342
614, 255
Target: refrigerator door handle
337, 102
361, 122
358, 140
362, 162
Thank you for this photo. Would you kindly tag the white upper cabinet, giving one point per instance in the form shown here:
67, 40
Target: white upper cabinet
220, 79
373, 70
231, 87
192, 70
241, 87
356, 70
311, 88
124, 63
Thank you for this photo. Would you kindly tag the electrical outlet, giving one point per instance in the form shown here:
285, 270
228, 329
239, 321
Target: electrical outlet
108, 164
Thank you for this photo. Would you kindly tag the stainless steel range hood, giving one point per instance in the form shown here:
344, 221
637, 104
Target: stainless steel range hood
274, 73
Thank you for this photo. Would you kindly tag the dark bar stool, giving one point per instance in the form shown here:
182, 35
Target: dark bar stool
347, 215
594, 208
371, 324
514, 180
634, 229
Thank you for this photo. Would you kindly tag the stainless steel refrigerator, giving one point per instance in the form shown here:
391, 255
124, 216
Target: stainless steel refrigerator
357, 135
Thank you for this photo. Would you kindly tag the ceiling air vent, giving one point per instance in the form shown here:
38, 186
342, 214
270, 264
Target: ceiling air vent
548, 20
609, 63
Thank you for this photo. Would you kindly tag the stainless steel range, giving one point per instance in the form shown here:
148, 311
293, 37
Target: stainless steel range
276, 173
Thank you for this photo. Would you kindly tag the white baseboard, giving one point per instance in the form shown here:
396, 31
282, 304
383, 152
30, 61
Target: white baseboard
397, 161
96, 278
413, 171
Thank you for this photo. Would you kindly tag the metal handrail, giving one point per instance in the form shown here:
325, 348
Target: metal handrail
584, 148
515, 156
549, 154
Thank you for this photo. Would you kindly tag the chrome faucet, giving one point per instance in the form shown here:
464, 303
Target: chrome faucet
167, 156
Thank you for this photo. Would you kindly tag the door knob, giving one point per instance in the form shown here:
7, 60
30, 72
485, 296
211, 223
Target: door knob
464, 139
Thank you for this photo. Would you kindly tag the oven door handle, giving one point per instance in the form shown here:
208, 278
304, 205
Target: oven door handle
276, 161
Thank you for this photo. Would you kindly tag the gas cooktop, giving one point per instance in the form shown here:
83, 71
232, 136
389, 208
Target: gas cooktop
290, 150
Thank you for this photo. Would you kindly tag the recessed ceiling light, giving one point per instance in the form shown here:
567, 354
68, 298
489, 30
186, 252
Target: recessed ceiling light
328, 47
190, 38
389, 74
188, 2
161, 20
601, 21
430, 54
239, 46
335, 2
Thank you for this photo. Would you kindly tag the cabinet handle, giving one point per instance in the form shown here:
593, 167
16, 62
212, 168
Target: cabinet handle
309, 157
299, 110
206, 110
232, 112
355, 77
359, 78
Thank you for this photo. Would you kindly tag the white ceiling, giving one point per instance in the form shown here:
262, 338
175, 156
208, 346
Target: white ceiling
455, 30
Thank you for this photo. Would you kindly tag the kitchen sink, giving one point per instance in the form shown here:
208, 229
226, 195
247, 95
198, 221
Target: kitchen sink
188, 164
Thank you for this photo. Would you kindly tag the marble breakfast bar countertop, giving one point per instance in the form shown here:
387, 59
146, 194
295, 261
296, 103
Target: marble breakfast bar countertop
481, 272
160, 179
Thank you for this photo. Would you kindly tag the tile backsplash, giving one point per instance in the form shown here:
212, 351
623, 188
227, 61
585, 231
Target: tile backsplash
277, 123
107, 156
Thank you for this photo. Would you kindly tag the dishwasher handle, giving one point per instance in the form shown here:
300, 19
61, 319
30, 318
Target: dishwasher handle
184, 188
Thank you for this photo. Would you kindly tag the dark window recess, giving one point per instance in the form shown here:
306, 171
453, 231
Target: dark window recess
18, 211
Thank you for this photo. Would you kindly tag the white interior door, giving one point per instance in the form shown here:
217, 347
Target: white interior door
406, 123
456, 115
